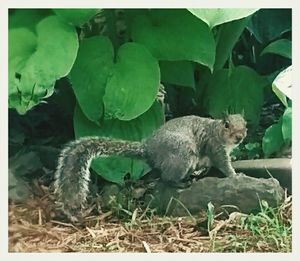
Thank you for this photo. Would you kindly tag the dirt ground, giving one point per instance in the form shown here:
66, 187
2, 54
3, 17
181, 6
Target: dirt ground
31, 229
35, 227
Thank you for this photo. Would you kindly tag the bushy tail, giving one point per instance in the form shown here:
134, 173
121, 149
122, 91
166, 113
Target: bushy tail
72, 175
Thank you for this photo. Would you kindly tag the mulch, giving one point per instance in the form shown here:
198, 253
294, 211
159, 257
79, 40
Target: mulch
34, 226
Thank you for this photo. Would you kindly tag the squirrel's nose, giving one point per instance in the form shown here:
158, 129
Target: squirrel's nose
238, 138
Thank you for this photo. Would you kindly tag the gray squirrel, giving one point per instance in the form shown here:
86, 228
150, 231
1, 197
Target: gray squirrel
177, 149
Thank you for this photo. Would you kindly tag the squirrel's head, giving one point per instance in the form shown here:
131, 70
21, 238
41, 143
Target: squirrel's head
234, 129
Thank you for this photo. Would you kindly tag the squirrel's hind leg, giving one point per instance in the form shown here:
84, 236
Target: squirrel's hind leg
176, 172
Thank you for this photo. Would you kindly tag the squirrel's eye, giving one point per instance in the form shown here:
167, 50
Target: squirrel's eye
226, 124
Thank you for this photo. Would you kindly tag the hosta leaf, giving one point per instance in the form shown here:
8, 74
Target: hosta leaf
115, 168
282, 85
216, 16
235, 91
36, 64
173, 35
273, 139
76, 16
93, 66
268, 24
281, 47
287, 124
228, 35
125, 88
134, 84
27, 18
179, 73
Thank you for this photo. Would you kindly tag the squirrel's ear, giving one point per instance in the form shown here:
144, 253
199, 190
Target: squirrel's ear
225, 115
225, 119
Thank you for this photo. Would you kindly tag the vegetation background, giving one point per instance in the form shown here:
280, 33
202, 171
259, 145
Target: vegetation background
121, 73
98, 72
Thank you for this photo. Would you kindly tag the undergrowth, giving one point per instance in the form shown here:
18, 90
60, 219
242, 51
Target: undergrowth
269, 230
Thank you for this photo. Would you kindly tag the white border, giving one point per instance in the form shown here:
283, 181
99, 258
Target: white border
148, 3
5, 4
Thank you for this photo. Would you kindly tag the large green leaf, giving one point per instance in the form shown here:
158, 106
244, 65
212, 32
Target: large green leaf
22, 43
19, 52
36, 63
227, 36
268, 24
27, 18
174, 35
93, 65
278, 134
134, 84
76, 16
235, 91
282, 85
287, 124
115, 168
281, 47
216, 16
179, 73
273, 139
124, 92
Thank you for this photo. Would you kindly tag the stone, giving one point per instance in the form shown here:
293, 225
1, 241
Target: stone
241, 192
18, 190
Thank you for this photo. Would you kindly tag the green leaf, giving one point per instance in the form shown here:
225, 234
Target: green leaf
287, 124
57, 49
76, 16
22, 43
179, 73
173, 35
124, 92
134, 84
216, 16
240, 89
36, 64
281, 47
228, 35
27, 18
282, 85
268, 24
93, 65
273, 139
115, 168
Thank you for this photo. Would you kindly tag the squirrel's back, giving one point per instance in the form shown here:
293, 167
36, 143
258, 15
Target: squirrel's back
188, 143
171, 141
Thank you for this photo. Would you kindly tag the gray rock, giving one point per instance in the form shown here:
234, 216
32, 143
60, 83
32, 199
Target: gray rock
241, 191
18, 190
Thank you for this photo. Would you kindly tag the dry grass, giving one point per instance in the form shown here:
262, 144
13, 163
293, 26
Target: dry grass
34, 227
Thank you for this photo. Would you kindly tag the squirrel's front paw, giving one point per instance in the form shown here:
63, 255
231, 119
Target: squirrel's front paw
237, 175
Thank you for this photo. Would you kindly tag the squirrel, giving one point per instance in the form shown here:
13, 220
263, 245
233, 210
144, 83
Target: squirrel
177, 149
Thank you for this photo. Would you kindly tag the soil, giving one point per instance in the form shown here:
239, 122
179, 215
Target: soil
35, 226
